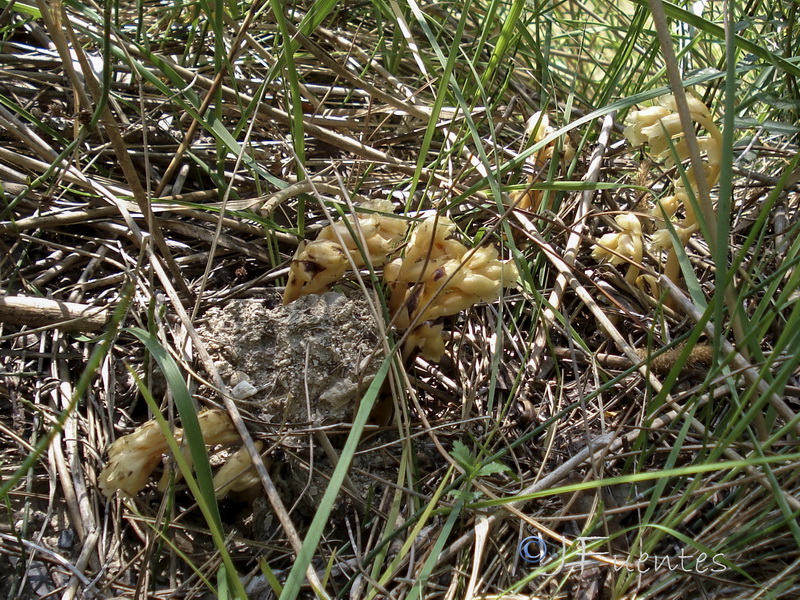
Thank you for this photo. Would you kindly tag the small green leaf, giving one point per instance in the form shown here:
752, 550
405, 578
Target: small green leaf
462, 455
464, 496
492, 468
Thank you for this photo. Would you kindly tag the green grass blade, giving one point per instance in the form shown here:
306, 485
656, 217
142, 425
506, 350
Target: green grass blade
201, 482
297, 575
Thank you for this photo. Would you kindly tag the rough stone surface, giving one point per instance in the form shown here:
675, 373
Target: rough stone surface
308, 361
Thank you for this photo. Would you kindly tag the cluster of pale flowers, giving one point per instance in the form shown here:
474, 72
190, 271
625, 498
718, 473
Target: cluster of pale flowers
438, 276
660, 128
319, 264
133, 458
435, 275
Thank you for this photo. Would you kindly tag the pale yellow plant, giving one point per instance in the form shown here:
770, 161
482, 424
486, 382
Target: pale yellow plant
134, 457
217, 429
538, 128
238, 474
380, 233
622, 246
315, 268
660, 127
427, 338
318, 265
435, 277
439, 276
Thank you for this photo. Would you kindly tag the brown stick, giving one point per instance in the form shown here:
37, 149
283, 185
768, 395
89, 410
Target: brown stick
42, 312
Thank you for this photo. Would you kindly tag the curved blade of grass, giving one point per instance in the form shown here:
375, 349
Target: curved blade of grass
201, 483
414, 535
378, 556
185, 96
272, 580
296, 576
159, 531
38, 124
422, 579
22, 7
504, 41
464, 106
438, 102
619, 105
619, 68
636, 477
644, 540
703, 549
319, 10
288, 48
